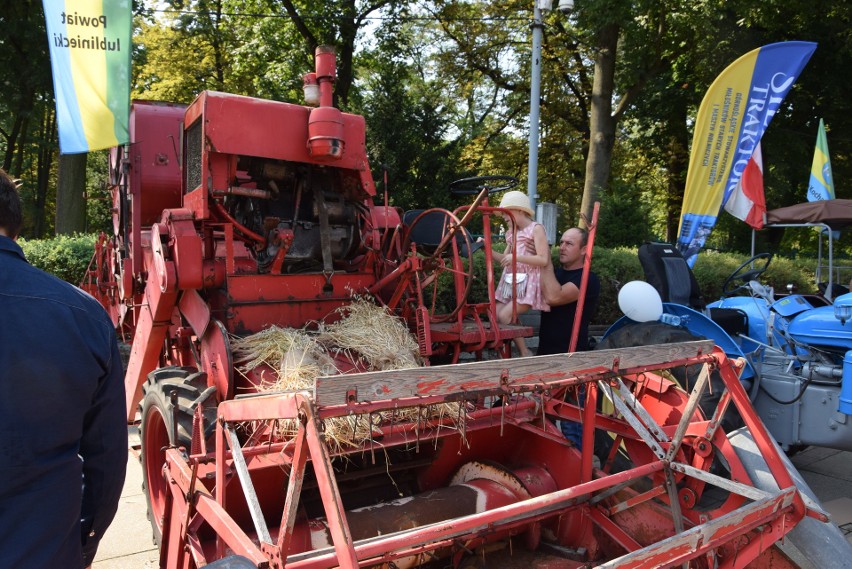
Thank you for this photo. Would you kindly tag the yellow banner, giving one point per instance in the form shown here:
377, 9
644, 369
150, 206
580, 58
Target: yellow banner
90, 53
731, 120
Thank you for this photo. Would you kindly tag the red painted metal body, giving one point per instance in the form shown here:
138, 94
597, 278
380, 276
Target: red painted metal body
506, 475
236, 214
196, 249
312, 238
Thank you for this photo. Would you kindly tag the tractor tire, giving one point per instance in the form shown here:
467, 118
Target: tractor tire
158, 431
652, 333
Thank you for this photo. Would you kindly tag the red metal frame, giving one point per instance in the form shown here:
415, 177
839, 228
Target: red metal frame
199, 249
735, 534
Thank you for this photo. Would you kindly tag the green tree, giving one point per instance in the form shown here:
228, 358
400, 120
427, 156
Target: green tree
338, 23
27, 119
444, 86
481, 58
636, 46
821, 91
98, 198
178, 56
408, 133
253, 47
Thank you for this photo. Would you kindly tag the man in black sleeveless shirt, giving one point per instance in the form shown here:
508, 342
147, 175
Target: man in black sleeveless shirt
561, 288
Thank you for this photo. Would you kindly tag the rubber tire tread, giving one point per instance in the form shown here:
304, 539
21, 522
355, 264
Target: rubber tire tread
653, 333
189, 384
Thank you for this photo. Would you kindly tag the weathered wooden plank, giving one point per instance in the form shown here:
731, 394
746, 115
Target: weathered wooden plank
491, 374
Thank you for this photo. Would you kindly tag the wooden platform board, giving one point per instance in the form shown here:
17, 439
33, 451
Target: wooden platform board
490, 375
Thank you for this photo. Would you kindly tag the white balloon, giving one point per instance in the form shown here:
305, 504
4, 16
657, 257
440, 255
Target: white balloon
640, 301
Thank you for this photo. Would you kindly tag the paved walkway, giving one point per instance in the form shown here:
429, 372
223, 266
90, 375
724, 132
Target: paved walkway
128, 543
828, 473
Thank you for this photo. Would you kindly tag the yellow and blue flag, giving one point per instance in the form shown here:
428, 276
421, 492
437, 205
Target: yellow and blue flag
90, 57
821, 184
731, 120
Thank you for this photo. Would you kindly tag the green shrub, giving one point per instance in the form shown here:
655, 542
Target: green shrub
63, 256
712, 268
67, 258
614, 268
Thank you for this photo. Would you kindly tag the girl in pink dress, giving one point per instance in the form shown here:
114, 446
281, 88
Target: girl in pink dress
532, 252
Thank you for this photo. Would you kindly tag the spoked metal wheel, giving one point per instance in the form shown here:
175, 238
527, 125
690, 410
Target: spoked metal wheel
471, 186
713, 452
445, 259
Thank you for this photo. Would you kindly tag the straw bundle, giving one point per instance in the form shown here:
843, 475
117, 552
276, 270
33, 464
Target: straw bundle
381, 339
367, 332
294, 356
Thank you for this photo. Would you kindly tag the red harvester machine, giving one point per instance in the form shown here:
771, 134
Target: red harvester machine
234, 214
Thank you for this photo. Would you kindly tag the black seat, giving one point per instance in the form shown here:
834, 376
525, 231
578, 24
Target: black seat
666, 270
428, 232
732, 320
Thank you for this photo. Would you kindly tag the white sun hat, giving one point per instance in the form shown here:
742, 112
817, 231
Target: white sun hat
517, 200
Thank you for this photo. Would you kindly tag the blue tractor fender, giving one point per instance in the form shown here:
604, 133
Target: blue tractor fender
758, 313
700, 325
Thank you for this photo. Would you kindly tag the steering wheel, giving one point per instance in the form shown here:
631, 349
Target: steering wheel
425, 284
494, 184
743, 276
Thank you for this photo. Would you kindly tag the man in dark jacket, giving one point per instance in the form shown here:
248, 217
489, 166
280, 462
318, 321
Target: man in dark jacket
63, 432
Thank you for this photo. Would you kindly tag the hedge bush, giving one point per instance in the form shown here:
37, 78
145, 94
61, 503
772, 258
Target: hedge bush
64, 256
711, 269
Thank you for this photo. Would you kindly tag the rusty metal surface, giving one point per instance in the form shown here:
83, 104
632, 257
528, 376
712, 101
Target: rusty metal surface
519, 373
696, 541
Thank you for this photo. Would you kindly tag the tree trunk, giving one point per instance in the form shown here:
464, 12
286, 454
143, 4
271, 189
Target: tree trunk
345, 55
602, 122
12, 161
12, 144
44, 164
678, 164
216, 42
70, 190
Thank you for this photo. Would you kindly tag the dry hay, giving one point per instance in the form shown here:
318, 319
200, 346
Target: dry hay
294, 356
381, 339
297, 357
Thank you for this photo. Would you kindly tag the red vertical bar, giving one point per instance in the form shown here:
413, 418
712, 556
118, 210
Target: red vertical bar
220, 481
589, 408
332, 502
229, 249
584, 280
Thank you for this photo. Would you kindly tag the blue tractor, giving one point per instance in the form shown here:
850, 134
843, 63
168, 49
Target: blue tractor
797, 348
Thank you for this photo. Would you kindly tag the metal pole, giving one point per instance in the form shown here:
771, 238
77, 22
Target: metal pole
535, 96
